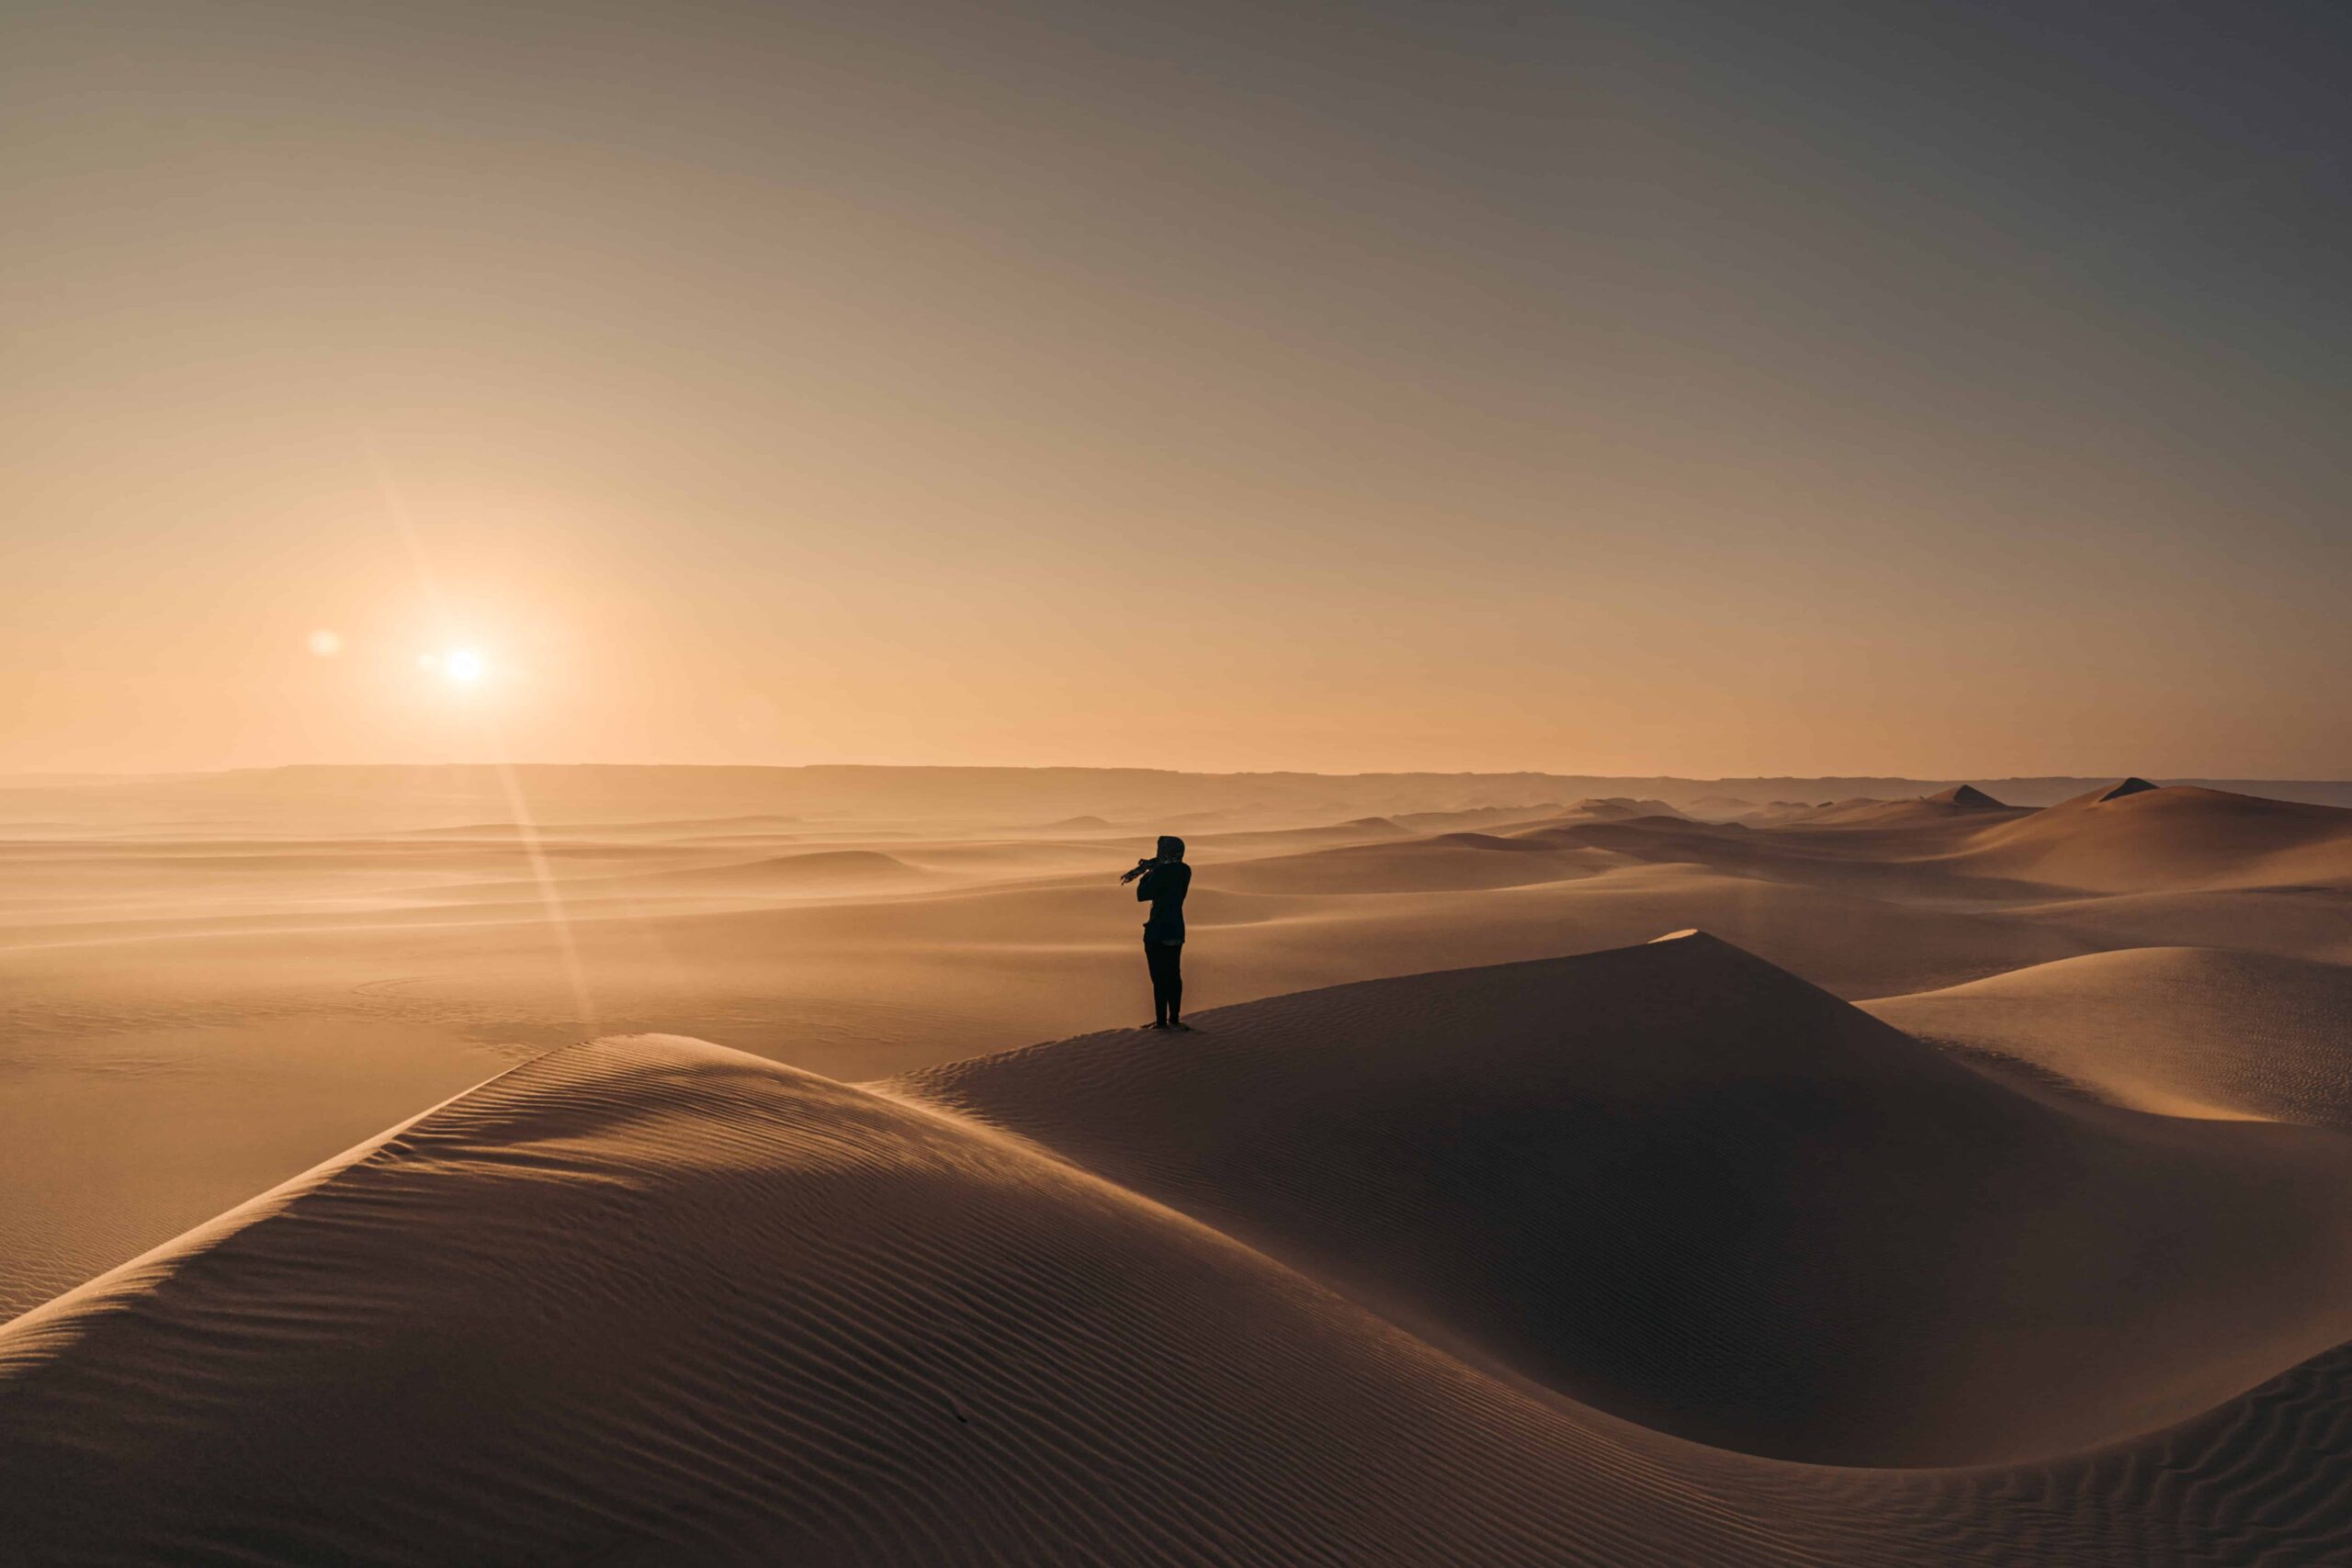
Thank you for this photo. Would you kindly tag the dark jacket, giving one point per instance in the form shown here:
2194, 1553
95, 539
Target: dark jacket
1165, 886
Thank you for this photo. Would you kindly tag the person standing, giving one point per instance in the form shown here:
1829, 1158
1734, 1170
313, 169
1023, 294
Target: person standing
1162, 881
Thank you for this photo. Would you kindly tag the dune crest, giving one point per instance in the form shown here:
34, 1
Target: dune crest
2179, 1029
650, 1301
1676, 1182
2175, 838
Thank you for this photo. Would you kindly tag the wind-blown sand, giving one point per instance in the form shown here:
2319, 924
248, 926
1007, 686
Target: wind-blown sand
1526, 1240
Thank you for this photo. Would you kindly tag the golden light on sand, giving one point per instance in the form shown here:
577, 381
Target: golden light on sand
811, 1215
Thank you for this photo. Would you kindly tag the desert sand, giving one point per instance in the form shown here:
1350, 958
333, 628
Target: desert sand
1973, 1184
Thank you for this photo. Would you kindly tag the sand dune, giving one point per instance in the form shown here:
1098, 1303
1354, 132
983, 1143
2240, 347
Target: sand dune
379, 799
2300, 922
113, 1140
1619, 808
1904, 860
1960, 803
1678, 1183
855, 870
839, 872
1476, 818
2181, 1030
651, 1300
2172, 841
674, 828
2125, 839
1360, 831
648, 1300
1445, 863
186, 1019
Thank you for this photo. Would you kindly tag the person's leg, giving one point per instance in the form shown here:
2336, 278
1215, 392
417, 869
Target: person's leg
1153, 958
1175, 985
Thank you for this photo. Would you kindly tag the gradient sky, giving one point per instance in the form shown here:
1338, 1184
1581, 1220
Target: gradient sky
1637, 386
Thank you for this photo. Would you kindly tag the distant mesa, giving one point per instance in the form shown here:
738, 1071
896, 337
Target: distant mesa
2128, 786
1077, 825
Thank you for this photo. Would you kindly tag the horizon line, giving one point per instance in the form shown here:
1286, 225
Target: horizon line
64, 775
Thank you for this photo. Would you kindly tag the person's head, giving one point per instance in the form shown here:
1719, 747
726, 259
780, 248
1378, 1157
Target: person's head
1170, 847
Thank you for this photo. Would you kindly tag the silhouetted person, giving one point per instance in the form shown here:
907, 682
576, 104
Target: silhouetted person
1162, 881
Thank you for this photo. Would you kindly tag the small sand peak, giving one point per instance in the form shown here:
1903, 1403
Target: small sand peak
2135, 785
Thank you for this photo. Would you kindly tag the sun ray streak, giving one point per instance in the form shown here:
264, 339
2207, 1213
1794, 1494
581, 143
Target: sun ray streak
518, 805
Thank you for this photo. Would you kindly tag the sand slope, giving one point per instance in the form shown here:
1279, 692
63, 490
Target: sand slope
653, 1300
647, 1301
2121, 839
1447, 863
838, 872
2175, 841
1962, 802
174, 993
2181, 1030
1678, 1183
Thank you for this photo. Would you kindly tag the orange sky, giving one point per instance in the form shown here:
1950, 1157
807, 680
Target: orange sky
1616, 389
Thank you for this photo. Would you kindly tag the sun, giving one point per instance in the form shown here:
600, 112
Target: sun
461, 664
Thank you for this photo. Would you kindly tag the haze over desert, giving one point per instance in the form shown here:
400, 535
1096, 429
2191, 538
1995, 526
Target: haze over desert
753, 1231
1389, 785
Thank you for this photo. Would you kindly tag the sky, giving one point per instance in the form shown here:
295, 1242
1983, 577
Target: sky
1642, 386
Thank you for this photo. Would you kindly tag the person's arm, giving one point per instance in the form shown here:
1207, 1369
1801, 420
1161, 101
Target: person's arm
1147, 884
